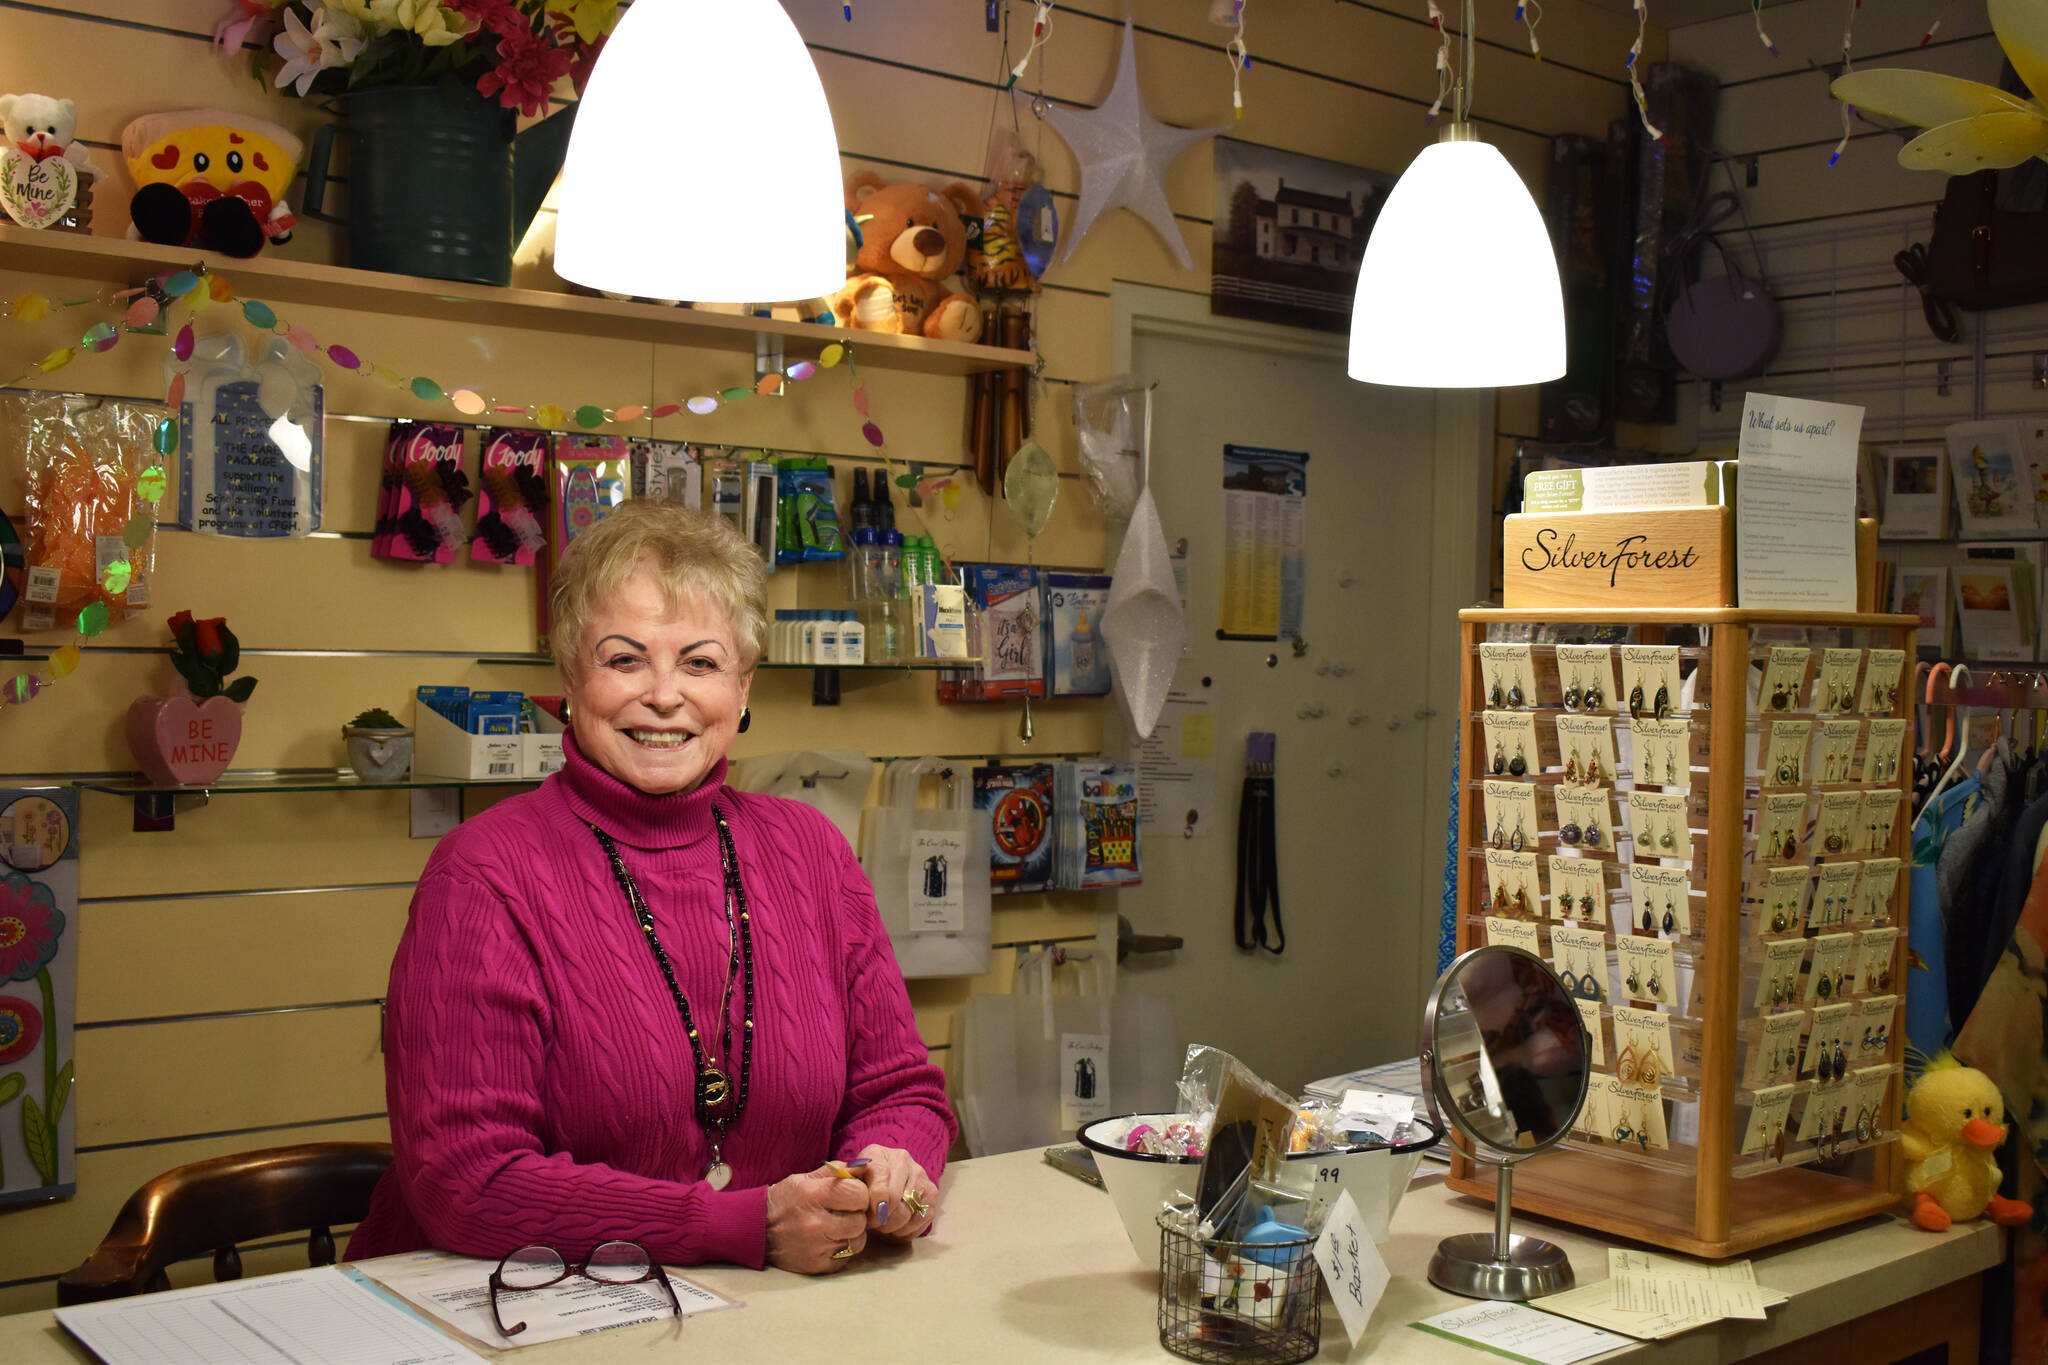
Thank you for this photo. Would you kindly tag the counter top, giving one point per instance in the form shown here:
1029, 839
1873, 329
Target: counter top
1028, 1264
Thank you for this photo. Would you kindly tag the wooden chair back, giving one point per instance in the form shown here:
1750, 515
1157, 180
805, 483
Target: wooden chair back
213, 1205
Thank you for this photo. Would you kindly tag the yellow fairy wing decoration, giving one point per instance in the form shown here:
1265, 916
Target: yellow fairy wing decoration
2022, 29
1986, 142
1925, 99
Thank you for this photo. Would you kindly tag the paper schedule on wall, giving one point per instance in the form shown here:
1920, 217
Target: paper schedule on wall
1265, 555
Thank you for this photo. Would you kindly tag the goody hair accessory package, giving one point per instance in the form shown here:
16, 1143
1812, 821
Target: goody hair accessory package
926, 851
588, 477
806, 521
512, 497
424, 488
84, 459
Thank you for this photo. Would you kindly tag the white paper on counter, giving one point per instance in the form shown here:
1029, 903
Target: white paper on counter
1351, 1266
1521, 1333
456, 1290
1795, 498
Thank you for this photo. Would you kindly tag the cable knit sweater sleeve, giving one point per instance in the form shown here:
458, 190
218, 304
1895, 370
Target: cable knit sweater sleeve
468, 1026
894, 1095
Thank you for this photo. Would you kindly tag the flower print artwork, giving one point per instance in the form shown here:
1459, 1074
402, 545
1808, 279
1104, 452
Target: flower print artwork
31, 932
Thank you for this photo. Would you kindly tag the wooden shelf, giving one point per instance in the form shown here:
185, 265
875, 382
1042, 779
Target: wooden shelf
1690, 616
276, 278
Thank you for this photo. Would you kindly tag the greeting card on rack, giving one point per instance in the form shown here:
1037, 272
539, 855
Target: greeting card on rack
1781, 893
1915, 481
1881, 754
1774, 1056
1834, 685
1660, 896
1585, 673
1994, 608
1784, 674
1585, 745
1881, 681
1921, 590
1509, 672
1994, 494
1649, 680
1778, 982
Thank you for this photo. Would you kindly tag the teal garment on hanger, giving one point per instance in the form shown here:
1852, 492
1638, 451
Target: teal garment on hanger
1928, 1029
1447, 922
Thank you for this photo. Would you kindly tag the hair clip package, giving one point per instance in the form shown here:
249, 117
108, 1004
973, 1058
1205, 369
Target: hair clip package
84, 459
427, 486
512, 497
589, 478
668, 471
807, 523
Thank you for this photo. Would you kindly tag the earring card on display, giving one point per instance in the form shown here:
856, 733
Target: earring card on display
1874, 949
1586, 672
1825, 1106
1784, 677
1877, 1013
1511, 737
1781, 818
1880, 883
1880, 809
1645, 1031
1836, 761
1577, 952
1658, 825
1651, 965
1662, 891
1589, 1015
1641, 1109
1881, 752
1830, 1026
1830, 961
1508, 673
1782, 960
1777, 1035
1834, 894
1593, 1118
1838, 829
1510, 813
1646, 672
1581, 811
1881, 681
1871, 1085
1782, 892
1768, 1110
1585, 746
1662, 752
1783, 761
1573, 882
1516, 876
1512, 933
1834, 683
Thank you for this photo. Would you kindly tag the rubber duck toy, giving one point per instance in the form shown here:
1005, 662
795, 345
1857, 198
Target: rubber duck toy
1955, 1120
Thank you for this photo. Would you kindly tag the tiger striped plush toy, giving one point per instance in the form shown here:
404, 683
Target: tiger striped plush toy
995, 258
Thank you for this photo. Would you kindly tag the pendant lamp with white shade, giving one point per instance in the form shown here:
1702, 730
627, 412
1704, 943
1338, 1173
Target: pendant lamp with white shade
1458, 287
703, 164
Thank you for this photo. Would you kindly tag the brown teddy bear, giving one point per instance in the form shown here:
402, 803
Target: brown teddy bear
912, 239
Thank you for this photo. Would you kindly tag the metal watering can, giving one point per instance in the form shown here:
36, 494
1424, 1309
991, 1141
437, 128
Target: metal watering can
438, 184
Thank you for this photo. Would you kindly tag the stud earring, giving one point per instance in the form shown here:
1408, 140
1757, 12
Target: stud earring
746, 719
1500, 758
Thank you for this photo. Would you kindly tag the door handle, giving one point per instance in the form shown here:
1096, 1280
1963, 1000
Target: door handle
1129, 941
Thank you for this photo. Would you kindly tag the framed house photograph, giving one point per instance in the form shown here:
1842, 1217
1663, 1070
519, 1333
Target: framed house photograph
1290, 230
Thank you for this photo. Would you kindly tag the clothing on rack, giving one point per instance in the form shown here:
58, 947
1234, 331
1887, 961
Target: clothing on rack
1927, 1008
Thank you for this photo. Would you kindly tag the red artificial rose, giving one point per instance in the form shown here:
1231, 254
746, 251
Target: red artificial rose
207, 641
181, 628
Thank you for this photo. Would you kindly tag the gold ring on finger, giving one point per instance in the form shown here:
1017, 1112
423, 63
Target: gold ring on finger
844, 1253
914, 1201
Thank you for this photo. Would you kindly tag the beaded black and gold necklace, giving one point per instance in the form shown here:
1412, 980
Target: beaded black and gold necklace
720, 1098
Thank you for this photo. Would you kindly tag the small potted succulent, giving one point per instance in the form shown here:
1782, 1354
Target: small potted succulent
190, 740
379, 746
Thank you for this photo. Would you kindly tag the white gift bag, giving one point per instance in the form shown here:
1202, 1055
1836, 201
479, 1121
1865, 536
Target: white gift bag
835, 781
926, 851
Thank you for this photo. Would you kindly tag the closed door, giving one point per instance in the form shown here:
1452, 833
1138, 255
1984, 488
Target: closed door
1362, 773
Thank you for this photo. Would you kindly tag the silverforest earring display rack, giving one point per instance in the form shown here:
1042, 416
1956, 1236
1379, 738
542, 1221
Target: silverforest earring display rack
1708, 840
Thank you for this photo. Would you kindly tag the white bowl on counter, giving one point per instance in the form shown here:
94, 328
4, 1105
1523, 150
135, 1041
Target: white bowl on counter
1141, 1184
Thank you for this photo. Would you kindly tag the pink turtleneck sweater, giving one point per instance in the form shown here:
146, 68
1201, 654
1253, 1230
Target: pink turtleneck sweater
538, 1075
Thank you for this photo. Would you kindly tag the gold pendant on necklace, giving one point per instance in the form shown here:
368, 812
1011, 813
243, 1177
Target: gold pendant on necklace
712, 1087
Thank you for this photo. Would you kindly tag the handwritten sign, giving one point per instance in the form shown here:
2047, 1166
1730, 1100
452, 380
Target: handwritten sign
1351, 1266
235, 478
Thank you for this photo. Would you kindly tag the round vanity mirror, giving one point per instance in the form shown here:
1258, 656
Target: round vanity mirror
1506, 1062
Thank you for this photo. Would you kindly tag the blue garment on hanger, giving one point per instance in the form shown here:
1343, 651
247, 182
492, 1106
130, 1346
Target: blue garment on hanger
1927, 1021
1447, 922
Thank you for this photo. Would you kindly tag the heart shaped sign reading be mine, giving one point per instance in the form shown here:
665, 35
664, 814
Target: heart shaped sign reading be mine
36, 193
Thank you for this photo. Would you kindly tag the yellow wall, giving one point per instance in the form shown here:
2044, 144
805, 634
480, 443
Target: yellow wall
229, 971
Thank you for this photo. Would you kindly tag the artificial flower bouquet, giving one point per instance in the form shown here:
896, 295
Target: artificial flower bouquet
513, 51
204, 653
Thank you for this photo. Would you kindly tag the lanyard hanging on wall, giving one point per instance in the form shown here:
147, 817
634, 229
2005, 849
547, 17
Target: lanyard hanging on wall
1258, 851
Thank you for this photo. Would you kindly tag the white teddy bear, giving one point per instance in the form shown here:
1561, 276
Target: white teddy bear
39, 127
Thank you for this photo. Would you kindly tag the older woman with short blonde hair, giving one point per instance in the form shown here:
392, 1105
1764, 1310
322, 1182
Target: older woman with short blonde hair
636, 1004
